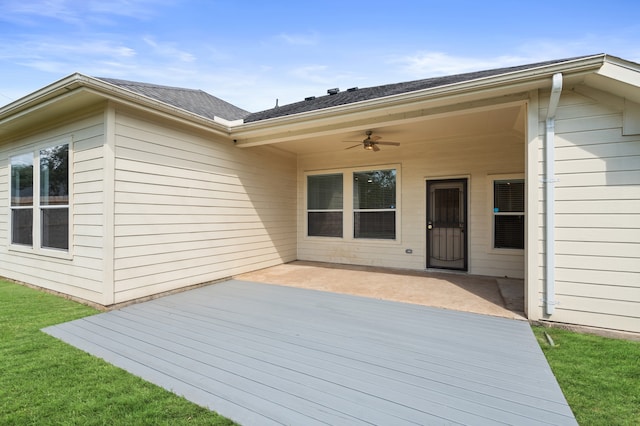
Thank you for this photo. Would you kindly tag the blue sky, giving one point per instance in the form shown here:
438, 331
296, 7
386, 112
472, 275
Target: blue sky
252, 52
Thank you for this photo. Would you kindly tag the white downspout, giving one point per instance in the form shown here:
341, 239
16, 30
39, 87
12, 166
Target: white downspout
549, 196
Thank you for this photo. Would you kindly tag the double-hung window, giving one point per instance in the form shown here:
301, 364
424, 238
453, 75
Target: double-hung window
374, 204
324, 205
40, 198
508, 214
22, 199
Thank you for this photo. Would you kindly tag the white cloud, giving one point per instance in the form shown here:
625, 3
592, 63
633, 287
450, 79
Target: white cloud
169, 50
55, 9
141, 9
426, 64
299, 39
433, 63
78, 12
64, 50
312, 73
66, 54
46, 65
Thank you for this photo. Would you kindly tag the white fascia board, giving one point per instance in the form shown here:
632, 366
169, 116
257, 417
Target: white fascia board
257, 133
52, 90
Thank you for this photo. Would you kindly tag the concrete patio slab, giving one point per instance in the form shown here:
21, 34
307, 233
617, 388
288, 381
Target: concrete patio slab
265, 354
470, 293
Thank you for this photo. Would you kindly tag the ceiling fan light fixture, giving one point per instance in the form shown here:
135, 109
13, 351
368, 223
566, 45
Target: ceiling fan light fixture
371, 142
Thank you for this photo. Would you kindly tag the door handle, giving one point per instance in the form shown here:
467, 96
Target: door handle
429, 225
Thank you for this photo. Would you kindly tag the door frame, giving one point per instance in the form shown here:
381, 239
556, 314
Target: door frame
465, 180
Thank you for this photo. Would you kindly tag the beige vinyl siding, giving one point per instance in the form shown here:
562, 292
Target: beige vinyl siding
597, 216
81, 273
191, 209
474, 158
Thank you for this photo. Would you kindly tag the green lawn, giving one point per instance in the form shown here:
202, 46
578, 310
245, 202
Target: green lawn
599, 377
45, 381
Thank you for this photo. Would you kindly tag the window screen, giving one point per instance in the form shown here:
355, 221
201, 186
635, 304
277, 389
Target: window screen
324, 205
508, 211
374, 204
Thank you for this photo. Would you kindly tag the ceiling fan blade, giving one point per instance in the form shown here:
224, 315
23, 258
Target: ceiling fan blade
375, 147
389, 143
360, 144
374, 138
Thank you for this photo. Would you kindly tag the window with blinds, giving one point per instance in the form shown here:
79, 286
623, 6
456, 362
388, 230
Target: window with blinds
508, 214
324, 205
374, 204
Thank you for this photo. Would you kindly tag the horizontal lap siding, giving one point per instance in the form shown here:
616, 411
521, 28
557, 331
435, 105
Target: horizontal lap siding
189, 209
82, 275
597, 216
475, 158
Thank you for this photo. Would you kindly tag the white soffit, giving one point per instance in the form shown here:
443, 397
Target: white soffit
616, 78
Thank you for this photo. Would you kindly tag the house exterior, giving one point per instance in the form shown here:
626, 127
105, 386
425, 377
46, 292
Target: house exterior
113, 190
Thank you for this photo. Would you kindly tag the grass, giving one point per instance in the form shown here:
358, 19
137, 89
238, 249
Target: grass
600, 377
45, 381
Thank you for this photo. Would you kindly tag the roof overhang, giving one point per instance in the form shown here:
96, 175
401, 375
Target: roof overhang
618, 77
77, 92
479, 93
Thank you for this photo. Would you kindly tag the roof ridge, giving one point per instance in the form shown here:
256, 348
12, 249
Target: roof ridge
150, 85
193, 100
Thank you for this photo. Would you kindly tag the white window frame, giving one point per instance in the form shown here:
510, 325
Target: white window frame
491, 188
37, 207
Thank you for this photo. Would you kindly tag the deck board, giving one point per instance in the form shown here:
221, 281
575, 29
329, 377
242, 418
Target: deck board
266, 354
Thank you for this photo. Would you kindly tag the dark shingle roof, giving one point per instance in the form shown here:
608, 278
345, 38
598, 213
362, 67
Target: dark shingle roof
195, 101
351, 96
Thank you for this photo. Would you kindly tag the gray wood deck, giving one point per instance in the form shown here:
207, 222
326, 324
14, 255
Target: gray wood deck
262, 354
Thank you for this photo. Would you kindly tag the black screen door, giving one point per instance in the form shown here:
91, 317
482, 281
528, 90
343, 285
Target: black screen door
447, 224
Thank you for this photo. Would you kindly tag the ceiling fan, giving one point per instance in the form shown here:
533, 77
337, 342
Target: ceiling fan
371, 142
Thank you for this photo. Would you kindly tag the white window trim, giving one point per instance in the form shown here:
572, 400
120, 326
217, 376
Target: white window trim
36, 248
348, 208
490, 188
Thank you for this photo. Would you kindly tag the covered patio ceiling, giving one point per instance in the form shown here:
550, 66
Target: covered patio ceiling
494, 119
